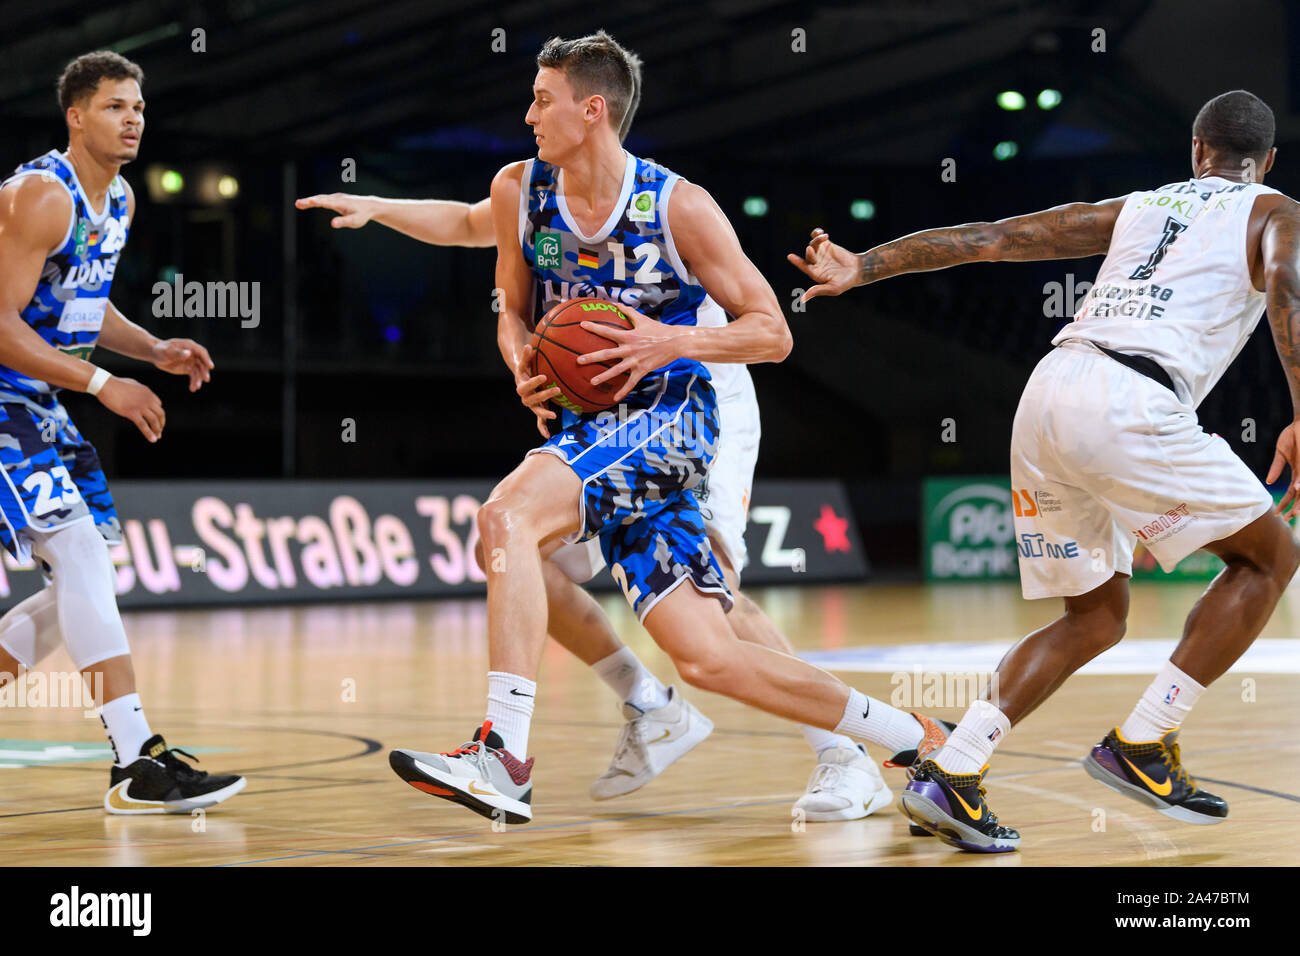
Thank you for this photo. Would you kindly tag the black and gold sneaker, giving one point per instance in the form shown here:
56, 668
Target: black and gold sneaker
952, 807
1152, 773
159, 782
936, 734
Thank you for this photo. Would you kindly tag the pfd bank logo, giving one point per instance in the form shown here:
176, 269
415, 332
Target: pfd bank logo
969, 528
78, 909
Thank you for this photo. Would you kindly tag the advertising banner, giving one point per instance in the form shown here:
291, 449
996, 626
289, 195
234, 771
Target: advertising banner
229, 542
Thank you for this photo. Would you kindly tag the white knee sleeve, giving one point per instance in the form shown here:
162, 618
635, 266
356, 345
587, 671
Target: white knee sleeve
85, 589
29, 630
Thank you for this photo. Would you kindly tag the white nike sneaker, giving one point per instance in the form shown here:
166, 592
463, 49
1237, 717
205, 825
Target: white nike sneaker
845, 786
650, 743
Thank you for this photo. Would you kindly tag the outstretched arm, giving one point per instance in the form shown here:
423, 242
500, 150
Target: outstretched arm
1280, 252
1063, 232
440, 222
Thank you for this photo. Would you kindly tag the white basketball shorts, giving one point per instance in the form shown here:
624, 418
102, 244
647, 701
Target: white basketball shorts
1103, 457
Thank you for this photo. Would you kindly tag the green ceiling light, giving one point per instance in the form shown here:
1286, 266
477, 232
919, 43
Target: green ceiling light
171, 181
1011, 100
862, 209
1049, 99
1006, 149
755, 206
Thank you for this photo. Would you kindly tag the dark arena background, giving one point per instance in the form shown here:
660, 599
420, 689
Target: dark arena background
297, 574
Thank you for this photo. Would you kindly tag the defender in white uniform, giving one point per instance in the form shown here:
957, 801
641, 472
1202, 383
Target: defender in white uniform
1107, 452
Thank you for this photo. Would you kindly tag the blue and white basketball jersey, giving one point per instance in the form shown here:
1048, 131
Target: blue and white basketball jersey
631, 260
67, 310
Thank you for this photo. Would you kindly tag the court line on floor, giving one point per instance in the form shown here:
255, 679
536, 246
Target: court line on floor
548, 826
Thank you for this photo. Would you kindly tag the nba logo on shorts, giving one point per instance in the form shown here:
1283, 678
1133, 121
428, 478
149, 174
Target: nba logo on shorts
997, 732
1173, 693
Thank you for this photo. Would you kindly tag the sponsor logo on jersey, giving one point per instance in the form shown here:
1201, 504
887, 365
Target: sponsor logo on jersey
1029, 504
1163, 524
546, 249
642, 207
90, 275
1035, 546
554, 292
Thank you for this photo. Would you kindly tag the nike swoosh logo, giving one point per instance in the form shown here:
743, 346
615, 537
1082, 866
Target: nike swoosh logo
518, 694
973, 814
1159, 789
667, 734
118, 799
489, 792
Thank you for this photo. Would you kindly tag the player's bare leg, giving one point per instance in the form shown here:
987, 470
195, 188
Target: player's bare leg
845, 784
488, 774
1140, 758
661, 726
693, 630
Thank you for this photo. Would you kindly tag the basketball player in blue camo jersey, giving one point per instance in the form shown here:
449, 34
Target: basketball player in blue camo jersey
64, 218
587, 218
661, 725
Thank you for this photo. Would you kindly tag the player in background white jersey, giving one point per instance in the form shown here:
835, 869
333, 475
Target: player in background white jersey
1106, 451
845, 784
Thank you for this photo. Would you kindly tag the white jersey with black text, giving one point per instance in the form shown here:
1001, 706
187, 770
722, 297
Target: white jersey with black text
1175, 285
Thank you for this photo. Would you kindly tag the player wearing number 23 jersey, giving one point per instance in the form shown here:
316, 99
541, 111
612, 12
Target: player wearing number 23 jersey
51, 475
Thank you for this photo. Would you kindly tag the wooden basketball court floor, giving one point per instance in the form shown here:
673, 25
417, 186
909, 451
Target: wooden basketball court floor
307, 701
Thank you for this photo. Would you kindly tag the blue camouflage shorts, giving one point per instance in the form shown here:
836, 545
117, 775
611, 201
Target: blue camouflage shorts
638, 464
52, 476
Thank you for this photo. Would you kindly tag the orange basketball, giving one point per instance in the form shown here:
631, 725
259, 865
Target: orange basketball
560, 338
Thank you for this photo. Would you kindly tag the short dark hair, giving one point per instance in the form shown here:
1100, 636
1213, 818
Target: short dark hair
597, 65
634, 62
1238, 124
81, 77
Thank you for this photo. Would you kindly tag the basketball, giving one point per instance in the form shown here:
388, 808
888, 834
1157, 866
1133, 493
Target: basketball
560, 338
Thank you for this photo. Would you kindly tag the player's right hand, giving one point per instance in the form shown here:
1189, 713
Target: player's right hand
532, 392
354, 211
834, 268
136, 402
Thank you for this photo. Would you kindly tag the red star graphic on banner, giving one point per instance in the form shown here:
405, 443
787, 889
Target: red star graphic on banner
833, 529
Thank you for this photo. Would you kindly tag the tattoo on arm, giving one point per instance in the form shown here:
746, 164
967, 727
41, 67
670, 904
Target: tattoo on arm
1281, 251
1064, 232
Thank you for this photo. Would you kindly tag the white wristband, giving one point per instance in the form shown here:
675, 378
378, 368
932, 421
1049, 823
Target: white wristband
97, 381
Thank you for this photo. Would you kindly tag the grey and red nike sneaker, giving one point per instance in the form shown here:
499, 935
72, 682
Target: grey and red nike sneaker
480, 775
952, 807
1152, 773
160, 782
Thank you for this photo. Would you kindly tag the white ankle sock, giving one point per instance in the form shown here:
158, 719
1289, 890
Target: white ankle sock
510, 708
821, 740
869, 719
969, 747
1163, 706
126, 726
628, 678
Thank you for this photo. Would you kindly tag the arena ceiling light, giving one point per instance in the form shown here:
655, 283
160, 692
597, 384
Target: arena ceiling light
862, 209
1011, 100
755, 206
1006, 149
1049, 99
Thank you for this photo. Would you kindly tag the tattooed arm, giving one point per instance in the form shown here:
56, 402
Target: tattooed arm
1063, 232
1279, 246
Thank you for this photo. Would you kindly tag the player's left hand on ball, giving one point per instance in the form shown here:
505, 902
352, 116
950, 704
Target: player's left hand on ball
1287, 453
834, 268
646, 346
184, 357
